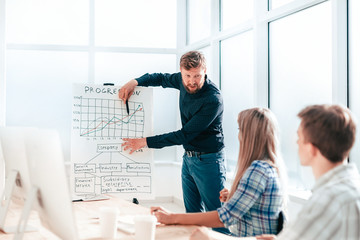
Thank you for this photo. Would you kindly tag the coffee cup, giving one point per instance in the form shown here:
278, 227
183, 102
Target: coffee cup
108, 222
145, 226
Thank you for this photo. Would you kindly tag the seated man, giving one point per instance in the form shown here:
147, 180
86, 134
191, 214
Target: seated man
325, 136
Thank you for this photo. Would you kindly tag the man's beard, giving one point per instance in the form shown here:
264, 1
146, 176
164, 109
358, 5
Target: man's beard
192, 90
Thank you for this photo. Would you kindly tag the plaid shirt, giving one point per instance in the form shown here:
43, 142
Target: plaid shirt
255, 206
333, 211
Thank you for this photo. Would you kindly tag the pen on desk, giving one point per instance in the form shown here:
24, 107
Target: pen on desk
127, 107
77, 200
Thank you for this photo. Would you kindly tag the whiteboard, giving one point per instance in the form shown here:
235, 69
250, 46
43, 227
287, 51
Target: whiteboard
99, 123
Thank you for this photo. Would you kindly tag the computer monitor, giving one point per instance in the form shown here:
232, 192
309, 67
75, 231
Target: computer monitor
17, 181
47, 175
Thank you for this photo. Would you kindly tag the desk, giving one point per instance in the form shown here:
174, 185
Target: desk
86, 214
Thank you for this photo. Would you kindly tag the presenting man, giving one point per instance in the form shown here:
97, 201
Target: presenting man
201, 109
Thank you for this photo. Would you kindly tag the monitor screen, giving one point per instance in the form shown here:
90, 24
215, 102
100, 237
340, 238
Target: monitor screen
47, 173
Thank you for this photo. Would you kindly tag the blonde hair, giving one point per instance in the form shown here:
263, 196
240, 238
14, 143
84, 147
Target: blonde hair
258, 136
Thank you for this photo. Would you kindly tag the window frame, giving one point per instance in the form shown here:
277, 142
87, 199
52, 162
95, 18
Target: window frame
259, 24
263, 16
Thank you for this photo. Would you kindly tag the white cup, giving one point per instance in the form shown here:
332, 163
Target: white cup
145, 226
108, 221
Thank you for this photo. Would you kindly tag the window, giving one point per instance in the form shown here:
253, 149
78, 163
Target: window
237, 86
199, 20
135, 23
47, 22
278, 3
85, 42
235, 12
285, 45
300, 75
354, 73
110, 67
40, 94
209, 66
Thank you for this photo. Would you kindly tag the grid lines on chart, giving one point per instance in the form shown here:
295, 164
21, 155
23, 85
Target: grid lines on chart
108, 118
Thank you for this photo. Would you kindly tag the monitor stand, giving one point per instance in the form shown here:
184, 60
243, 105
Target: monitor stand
10, 183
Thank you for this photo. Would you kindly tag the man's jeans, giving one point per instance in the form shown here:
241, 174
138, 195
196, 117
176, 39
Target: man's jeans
203, 177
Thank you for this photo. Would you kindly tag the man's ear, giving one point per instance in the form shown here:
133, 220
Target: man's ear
314, 150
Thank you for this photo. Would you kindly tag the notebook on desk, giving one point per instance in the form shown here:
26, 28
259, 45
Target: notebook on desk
92, 197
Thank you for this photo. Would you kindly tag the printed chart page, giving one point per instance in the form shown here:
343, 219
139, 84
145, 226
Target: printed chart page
100, 121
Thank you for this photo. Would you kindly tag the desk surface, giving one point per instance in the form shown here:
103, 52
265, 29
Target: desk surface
86, 216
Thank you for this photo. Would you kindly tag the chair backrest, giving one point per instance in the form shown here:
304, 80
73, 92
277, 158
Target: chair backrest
281, 220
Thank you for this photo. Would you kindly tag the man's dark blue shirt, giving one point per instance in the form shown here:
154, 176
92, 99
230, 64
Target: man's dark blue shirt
201, 115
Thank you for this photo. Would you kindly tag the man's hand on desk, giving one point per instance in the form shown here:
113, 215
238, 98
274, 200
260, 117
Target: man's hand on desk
133, 144
162, 215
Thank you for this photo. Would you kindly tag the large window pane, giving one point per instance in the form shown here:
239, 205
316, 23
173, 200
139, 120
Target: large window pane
237, 85
209, 66
39, 89
119, 68
63, 22
300, 75
354, 72
135, 23
198, 20
235, 12
278, 3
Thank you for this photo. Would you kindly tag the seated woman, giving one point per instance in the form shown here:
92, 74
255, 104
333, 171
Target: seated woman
257, 196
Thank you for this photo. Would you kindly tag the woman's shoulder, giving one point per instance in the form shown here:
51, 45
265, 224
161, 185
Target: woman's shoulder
262, 167
264, 164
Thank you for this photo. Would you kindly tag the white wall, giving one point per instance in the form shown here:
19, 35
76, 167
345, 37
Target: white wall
167, 180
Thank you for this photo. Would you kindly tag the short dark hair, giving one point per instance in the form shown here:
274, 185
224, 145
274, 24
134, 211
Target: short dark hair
192, 59
331, 128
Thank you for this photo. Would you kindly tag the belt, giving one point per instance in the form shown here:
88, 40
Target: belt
194, 153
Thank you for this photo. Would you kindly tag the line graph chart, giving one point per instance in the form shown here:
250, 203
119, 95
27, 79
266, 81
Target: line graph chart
100, 122
108, 118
